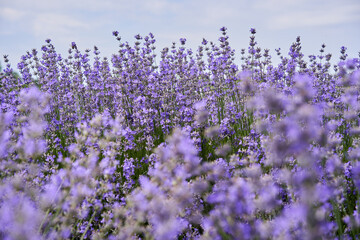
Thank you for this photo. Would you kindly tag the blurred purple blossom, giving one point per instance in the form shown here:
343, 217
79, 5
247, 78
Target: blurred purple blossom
187, 144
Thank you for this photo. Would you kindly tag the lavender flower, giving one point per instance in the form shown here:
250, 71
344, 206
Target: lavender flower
184, 145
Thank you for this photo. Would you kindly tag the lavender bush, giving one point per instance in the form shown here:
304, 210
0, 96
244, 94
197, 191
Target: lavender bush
189, 147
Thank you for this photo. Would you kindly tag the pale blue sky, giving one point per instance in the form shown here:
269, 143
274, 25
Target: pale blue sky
25, 24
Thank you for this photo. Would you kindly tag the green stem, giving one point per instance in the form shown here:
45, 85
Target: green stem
88, 226
43, 221
338, 218
48, 211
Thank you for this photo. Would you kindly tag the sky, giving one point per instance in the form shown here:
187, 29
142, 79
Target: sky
26, 24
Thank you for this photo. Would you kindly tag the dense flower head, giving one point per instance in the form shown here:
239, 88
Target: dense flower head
184, 145
223, 29
73, 45
182, 41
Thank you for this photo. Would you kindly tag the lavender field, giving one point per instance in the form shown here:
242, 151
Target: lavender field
183, 145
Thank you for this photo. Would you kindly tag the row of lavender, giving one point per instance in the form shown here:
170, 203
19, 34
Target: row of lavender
191, 147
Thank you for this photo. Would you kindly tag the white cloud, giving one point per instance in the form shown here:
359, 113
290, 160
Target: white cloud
56, 24
216, 13
155, 7
279, 5
316, 17
11, 15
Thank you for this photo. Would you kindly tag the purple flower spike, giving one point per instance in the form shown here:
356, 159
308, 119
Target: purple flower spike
182, 41
73, 45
